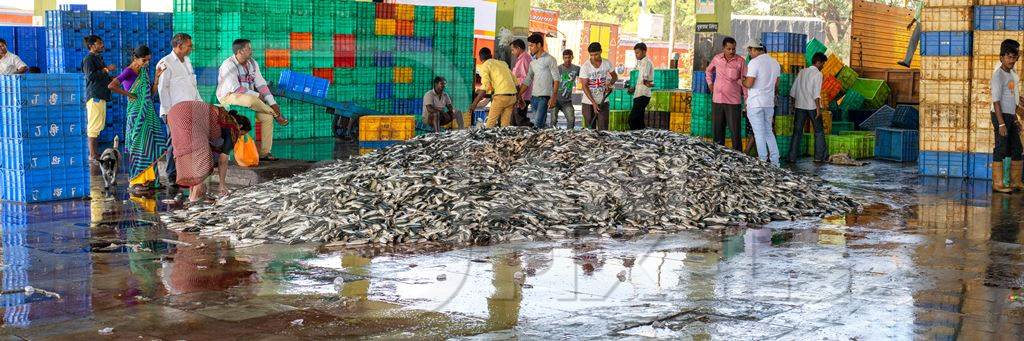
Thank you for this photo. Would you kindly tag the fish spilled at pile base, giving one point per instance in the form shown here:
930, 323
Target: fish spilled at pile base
513, 183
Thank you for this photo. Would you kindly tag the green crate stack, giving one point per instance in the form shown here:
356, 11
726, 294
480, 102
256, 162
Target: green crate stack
464, 15
618, 120
784, 143
272, 74
278, 40
302, 60
700, 116
303, 9
785, 83
200, 6
311, 150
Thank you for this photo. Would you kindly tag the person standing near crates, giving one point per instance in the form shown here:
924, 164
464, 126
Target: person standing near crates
761, 77
567, 76
437, 106
10, 63
496, 80
1005, 101
642, 90
240, 82
542, 79
97, 76
806, 93
521, 68
175, 83
724, 76
597, 79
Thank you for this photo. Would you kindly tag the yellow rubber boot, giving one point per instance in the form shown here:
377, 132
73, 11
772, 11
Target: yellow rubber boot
997, 178
1016, 172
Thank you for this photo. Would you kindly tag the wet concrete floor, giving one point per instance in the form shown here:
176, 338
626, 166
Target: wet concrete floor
927, 259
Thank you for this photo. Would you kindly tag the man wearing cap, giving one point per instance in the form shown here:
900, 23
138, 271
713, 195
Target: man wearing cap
761, 77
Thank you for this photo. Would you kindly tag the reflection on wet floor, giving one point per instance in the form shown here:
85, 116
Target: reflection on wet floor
926, 259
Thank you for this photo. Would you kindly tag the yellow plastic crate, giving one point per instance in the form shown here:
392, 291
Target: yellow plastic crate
364, 151
948, 3
986, 43
467, 121
387, 128
982, 67
832, 65
944, 116
444, 14
946, 19
945, 92
403, 75
981, 141
680, 101
679, 122
942, 68
405, 12
790, 62
944, 139
385, 27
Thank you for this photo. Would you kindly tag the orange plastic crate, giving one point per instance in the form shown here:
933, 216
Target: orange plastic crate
325, 73
302, 41
444, 14
403, 75
404, 28
278, 58
830, 87
405, 12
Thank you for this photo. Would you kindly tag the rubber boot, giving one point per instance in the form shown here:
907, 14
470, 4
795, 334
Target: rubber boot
1016, 172
997, 178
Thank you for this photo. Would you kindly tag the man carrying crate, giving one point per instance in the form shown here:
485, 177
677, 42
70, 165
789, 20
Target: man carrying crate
240, 82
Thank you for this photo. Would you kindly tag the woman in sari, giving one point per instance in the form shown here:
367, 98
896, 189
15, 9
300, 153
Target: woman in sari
146, 138
203, 135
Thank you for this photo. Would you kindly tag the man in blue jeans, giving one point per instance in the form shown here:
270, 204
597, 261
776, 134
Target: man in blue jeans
761, 78
542, 79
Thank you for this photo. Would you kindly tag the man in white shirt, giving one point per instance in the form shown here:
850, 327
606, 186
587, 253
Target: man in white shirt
642, 91
543, 78
240, 82
597, 79
806, 93
175, 83
761, 78
10, 63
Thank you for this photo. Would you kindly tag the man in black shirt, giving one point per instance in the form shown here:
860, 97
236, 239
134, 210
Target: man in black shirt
97, 77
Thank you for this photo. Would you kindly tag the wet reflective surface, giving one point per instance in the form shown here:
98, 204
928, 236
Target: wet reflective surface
926, 259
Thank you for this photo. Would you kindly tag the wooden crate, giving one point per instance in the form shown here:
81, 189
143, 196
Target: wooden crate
944, 139
941, 68
944, 116
956, 93
946, 18
879, 35
986, 43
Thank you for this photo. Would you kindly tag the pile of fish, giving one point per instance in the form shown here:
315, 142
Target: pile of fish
506, 184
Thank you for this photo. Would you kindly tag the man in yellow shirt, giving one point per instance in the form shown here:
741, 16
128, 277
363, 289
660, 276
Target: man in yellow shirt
497, 80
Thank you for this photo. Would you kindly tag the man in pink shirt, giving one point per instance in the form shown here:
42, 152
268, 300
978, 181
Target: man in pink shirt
725, 80
520, 70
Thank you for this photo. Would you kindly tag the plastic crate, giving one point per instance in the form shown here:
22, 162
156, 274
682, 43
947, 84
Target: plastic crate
944, 139
660, 101
679, 122
874, 91
789, 62
847, 77
784, 84
680, 101
906, 117
813, 46
784, 42
620, 100
896, 144
666, 79
839, 127
993, 18
618, 120
783, 106
882, 118
699, 82
955, 93
657, 119
857, 146
947, 68
946, 43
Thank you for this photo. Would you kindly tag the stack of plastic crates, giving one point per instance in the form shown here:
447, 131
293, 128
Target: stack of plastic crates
43, 155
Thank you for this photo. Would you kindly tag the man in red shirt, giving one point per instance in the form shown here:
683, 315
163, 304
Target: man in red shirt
725, 80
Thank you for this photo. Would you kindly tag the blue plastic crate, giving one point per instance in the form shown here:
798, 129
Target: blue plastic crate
979, 166
945, 43
377, 144
699, 83
896, 144
132, 22
784, 42
882, 118
73, 7
783, 106
105, 20
208, 75
998, 18
906, 117
159, 21
385, 90
943, 164
8, 34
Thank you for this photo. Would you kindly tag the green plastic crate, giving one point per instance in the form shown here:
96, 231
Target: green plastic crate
847, 77
851, 101
464, 15
618, 120
302, 10
424, 14
875, 92
187, 22
785, 84
784, 125
199, 6
814, 46
620, 99
665, 79
278, 40
660, 101
784, 143
858, 146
